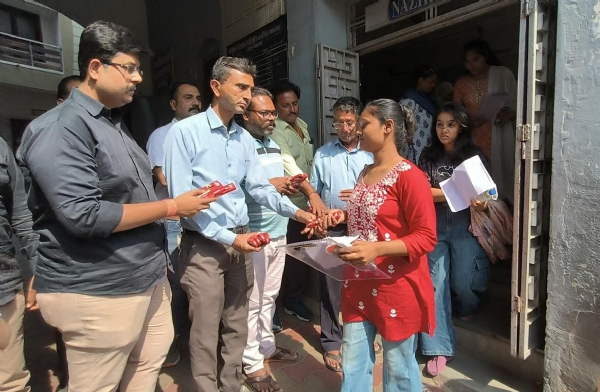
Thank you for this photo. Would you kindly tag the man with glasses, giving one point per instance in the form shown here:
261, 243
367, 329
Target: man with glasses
100, 276
334, 173
216, 269
185, 102
291, 134
259, 121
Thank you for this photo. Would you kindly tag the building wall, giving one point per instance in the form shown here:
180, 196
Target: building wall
18, 103
573, 321
312, 22
129, 13
54, 27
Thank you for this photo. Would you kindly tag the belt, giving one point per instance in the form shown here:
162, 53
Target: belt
235, 230
239, 229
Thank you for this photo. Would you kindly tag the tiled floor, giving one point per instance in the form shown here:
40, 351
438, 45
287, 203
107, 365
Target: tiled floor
464, 374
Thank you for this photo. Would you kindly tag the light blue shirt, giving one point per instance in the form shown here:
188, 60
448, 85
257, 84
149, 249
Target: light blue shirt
335, 169
263, 219
200, 150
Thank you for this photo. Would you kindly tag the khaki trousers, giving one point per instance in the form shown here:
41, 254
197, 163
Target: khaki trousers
112, 340
13, 373
218, 281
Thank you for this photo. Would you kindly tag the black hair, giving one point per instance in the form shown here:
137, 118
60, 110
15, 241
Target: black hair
464, 146
284, 86
482, 48
404, 119
424, 71
175, 88
348, 105
103, 41
224, 65
62, 92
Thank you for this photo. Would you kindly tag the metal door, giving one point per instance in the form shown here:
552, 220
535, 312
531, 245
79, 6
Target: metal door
337, 76
533, 154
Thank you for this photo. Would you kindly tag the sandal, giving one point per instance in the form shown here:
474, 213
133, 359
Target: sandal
377, 350
283, 355
335, 357
263, 383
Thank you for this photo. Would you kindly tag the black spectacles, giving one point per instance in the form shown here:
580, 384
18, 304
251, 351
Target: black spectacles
129, 68
265, 113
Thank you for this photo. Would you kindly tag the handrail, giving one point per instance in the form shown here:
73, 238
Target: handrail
28, 53
30, 40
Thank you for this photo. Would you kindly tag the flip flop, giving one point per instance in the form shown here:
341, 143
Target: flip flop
335, 357
379, 348
262, 383
283, 355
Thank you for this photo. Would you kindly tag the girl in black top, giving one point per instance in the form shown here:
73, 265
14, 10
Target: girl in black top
458, 264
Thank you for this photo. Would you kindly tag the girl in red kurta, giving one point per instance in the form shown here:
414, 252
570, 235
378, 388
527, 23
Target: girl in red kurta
392, 212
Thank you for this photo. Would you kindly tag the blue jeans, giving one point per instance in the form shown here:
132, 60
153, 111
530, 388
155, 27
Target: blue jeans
459, 270
179, 298
400, 367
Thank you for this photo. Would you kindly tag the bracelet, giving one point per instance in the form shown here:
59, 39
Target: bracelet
171, 207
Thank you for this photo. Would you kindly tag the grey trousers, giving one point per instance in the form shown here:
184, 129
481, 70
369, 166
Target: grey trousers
218, 281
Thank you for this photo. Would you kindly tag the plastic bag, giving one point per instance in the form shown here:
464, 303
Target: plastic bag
493, 230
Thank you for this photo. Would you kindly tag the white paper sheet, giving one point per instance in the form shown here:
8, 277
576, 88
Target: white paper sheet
469, 180
491, 105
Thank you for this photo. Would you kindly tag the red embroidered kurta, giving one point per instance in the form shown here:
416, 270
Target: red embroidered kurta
400, 206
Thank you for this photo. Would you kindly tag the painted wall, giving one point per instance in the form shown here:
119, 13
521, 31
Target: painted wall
312, 22
573, 328
130, 13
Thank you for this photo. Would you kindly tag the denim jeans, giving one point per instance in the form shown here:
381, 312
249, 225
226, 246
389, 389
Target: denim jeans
400, 368
459, 270
179, 299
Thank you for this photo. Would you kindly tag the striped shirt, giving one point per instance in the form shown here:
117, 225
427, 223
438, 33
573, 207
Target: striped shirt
263, 219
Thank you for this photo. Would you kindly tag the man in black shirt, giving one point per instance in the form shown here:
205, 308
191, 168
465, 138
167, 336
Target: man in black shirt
100, 277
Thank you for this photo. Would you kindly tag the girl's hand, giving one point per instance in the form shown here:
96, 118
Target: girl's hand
360, 253
479, 205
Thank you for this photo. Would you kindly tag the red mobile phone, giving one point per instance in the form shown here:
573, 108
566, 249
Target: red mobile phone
298, 179
336, 215
206, 189
221, 190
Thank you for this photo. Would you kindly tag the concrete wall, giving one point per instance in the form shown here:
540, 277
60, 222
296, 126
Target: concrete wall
18, 102
573, 329
62, 27
130, 13
312, 22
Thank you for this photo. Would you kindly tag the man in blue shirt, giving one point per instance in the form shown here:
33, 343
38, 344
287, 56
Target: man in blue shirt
216, 269
335, 170
259, 121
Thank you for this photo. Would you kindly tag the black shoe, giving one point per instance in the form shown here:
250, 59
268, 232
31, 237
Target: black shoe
276, 325
298, 309
173, 356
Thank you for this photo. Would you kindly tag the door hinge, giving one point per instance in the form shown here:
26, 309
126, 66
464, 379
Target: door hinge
524, 132
525, 8
517, 305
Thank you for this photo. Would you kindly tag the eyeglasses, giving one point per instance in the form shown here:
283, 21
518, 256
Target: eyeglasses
340, 125
265, 113
129, 68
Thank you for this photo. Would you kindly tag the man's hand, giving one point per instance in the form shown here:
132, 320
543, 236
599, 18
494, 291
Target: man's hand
345, 194
360, 253
189, 204
283, 185
317, 205
504, 115
305, 217
241, 243
332, 218
30, 300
